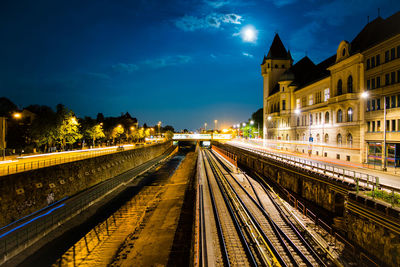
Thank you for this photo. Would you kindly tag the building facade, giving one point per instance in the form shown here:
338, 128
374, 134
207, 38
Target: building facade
335, 109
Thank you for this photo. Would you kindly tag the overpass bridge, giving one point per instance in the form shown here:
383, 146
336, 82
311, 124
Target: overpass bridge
201, 137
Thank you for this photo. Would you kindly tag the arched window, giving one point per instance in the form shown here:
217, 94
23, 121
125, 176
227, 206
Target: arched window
304, 137
350, 84
339, 116
349, 140
287, 137
297, 137
268, 65
344, 52
276, 66
339, 87
326, 138
339, 139
327, 117
349, 114
318, 138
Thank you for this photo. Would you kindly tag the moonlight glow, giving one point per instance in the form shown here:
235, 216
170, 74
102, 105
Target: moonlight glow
249, 34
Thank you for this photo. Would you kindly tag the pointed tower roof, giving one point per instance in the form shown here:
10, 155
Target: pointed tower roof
277, 49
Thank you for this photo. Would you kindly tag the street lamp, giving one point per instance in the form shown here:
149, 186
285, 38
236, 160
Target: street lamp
215, 124
17, 115
205, 126
159, 125
251, 123
365, 95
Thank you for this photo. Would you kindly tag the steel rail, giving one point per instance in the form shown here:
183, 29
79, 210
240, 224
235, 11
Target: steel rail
277, 230
248, 251
225, 255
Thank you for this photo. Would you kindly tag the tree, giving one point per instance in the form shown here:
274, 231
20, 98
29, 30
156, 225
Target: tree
168, 128
95, 132
68, 130
117, 132
6, 107
169, 135
43, 130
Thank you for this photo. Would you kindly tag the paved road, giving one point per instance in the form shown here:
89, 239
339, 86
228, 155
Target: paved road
385, 178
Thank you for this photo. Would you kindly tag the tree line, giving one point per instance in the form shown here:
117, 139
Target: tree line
40, 128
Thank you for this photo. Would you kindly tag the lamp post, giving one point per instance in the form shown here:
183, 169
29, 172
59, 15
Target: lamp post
159, 126
251, 123
215, 124
365, 94
205, 126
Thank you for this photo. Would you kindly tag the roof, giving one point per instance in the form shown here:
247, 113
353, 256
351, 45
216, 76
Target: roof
277, 50
376, 32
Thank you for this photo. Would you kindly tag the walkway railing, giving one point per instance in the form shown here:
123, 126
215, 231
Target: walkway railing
11, 167
360, 180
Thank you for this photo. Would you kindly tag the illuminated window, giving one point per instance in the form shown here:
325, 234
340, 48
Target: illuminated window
349, 140
349, 114
283, 104
326, 94
310, 100
326, 138
298, 103
339, 139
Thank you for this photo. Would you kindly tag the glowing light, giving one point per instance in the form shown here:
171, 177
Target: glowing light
244, 124
17, 115
251, 122
364, 94
269, 118
297, 111
249, 34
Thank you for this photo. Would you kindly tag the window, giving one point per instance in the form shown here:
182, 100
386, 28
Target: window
386, 79
326, 138
392, 54
283, 104
311, 119
368, 126
368, 64
387, 102
372, 62
318, 137
368, 105
398, 124
398, 101
339, 116
326, 94
276, 66
392, 77
339, 139
398, 76
339, 87
368, 84
298, 121
378, 81
373, 83
393, 125
344, 52
398, 51
393, 101
350, 84
349, 114
388, 125
318, 97
373, 127
303, 101
283, 66
373, 104
298, 103
378, 104
310, 100
327, 117
386, 56
378, 60
349, 140
378, 126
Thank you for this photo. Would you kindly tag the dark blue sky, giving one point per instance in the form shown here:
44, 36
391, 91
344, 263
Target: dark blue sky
182, 62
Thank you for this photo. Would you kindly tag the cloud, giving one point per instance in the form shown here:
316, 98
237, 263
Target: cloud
218, 3
167, 61
124, 67
247, 55
213, 20
335, 12
96, 75
213, 56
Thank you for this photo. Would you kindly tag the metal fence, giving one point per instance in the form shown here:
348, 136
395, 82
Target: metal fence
27, 233
10, 168
361, 180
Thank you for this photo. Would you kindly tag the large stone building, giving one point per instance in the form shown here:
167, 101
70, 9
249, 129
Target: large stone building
322, 109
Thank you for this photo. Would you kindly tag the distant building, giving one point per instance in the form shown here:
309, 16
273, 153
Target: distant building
318, 108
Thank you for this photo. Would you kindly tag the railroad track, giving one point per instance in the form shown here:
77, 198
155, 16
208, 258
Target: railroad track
287, 243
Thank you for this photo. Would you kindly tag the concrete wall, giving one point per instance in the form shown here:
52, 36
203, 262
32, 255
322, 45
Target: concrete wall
374, 226
26, 192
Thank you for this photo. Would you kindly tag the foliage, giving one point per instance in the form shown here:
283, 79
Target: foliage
168, 128
386, 196
43, 130
95, 132
117, 131
68, 130
169, 135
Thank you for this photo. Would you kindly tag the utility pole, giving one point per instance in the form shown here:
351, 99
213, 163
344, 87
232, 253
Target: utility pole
3, 125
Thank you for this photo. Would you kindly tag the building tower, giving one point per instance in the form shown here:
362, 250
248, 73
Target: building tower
277, 61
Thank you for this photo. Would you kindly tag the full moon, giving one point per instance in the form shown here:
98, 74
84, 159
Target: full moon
249, 34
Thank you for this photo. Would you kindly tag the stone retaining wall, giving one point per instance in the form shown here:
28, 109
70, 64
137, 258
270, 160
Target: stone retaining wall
26, 192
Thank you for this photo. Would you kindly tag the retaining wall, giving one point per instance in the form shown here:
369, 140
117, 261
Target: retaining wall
26, 192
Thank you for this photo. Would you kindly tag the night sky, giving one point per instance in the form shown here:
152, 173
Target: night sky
182, 62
